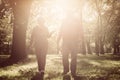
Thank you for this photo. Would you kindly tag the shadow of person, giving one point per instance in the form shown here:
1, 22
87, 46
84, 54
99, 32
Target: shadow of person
77, 78
80, 77
38, 76
66, 77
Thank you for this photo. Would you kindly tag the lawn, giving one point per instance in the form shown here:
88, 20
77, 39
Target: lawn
90, 67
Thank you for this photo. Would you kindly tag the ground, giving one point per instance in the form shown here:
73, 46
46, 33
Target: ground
90, 67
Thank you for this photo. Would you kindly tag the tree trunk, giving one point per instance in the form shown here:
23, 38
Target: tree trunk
21, 11
116, 44
2, 9
88, 47
101, 47
97, 47
83, 47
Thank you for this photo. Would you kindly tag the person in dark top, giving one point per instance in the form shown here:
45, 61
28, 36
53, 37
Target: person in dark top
70, 33
39, 39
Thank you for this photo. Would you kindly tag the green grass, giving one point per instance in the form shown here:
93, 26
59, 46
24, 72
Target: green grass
90, 67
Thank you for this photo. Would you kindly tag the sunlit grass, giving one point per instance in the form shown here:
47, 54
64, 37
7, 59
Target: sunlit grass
92, 67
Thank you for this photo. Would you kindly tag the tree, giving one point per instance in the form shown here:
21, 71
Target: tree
5, 28
21, 11
107, 22
2, 8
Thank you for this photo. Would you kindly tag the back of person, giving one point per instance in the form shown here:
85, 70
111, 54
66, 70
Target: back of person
40, 35
70, 32
70, 35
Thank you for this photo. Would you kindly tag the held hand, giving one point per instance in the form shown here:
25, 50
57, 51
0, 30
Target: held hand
30, 44
51, 33
29, 47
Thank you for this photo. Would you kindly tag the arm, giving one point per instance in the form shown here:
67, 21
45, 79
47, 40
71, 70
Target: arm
48, 34
32, 38
59, 37
51, 33
58, 41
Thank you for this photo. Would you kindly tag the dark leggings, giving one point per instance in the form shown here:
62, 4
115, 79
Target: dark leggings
65, 59
41, 57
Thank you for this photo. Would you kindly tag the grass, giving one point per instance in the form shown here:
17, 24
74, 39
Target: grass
91, 67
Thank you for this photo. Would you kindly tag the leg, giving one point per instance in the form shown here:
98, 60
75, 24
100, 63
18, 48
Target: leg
41, 61
73, 62
41, 58
65, 60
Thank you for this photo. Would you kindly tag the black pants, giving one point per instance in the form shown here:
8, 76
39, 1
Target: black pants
41, 52
66, 51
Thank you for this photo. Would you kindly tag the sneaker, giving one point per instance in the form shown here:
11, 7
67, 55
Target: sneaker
73, 75
41, 75
65, 72
42, 72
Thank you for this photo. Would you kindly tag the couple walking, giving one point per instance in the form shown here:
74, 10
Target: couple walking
69, 33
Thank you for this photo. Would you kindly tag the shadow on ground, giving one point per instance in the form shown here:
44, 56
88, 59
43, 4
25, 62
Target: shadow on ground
37, 77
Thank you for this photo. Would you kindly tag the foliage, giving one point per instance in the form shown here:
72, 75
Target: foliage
102, 18
5, 30
109, 13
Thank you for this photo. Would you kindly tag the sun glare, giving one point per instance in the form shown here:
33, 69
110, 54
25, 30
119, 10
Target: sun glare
55, 11
88, 13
